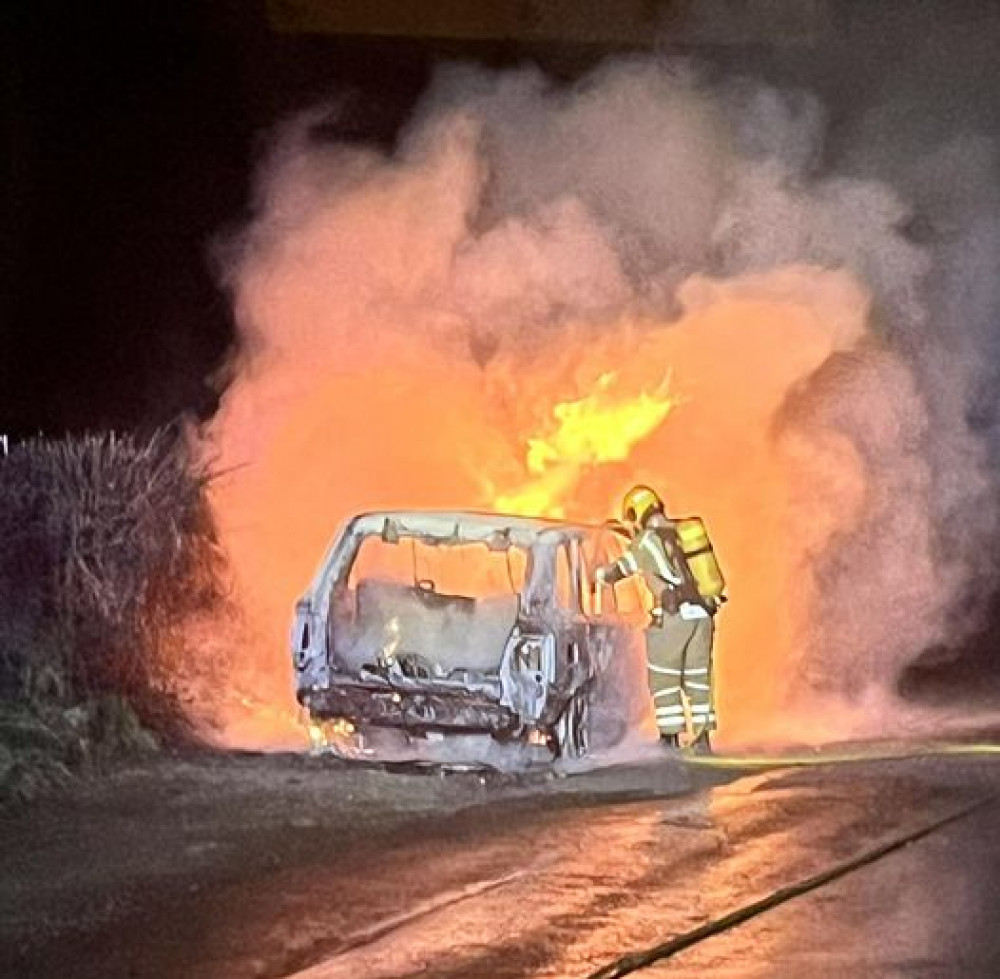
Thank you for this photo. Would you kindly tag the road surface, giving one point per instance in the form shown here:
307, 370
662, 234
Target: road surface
276, 867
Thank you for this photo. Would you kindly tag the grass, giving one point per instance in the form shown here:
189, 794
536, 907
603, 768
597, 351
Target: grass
109, 553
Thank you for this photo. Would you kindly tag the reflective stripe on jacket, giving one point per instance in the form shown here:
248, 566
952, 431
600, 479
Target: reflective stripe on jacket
661, 565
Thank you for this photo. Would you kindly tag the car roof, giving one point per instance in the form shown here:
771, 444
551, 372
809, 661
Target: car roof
469, 526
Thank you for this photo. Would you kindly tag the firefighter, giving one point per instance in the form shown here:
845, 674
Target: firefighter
681, 629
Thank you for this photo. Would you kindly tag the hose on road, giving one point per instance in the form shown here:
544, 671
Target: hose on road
839, 758
640, 960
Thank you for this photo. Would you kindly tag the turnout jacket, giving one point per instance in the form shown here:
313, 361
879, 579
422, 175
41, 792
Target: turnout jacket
656, 554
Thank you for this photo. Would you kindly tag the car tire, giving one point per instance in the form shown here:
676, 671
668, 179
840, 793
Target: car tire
573, 728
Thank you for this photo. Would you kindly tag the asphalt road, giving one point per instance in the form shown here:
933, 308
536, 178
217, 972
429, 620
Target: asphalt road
624, 879
561, 879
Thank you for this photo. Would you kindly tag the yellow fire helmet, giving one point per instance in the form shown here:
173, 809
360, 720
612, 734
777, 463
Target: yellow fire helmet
639, 503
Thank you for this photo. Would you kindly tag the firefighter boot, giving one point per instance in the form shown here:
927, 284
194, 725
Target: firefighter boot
702, 744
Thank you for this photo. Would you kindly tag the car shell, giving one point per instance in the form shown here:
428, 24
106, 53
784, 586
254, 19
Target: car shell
564, 636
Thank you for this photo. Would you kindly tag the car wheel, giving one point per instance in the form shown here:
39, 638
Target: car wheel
573, 731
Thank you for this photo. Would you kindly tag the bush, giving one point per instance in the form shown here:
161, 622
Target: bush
109, 551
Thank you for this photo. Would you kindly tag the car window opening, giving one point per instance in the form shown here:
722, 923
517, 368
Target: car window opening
451, 602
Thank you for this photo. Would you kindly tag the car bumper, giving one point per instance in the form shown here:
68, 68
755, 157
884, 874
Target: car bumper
416, 707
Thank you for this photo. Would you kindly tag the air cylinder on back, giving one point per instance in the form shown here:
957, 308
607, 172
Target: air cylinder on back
700, 556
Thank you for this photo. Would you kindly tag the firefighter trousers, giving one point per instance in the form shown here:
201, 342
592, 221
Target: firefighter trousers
679, 657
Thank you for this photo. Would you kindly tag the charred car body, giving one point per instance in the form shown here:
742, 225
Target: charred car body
435, 623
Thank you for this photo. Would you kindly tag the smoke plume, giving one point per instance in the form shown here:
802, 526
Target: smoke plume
410, 318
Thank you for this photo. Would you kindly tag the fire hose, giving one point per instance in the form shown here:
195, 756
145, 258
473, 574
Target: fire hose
930, 750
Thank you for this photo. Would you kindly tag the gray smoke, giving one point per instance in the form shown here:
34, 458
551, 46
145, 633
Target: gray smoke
515, 209
730, 180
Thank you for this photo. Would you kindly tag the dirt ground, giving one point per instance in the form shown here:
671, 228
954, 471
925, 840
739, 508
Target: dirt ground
147, 846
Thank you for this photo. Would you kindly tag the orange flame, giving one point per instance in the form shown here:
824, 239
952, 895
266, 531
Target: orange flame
383, 419
601, 427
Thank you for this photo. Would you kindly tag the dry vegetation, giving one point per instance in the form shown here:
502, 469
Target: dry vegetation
109, 553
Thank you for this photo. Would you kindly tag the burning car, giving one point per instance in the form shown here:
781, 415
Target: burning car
434, 624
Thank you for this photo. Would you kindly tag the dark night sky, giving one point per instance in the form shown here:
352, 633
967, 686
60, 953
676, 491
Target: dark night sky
129, 141
130, 131
127, 146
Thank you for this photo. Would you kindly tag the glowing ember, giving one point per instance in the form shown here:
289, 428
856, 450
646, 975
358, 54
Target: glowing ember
316, 736
336, 733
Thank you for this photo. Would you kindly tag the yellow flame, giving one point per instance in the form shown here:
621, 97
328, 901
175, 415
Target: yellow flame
602, 427
323, 734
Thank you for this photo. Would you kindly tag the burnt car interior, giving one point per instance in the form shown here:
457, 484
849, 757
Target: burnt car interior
434, 606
